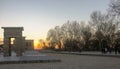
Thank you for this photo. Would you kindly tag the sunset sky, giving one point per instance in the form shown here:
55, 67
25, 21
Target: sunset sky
38, 16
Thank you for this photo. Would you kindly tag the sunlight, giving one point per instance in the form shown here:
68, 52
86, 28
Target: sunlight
1, 40
56, 46
12, 40
37, 45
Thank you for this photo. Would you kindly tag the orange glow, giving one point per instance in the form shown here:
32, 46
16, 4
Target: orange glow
56, 46
36, 45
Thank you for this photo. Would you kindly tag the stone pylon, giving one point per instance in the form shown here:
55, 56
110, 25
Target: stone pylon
13, 32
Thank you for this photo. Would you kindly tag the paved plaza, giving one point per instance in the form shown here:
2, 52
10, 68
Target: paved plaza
28, 57
69, 61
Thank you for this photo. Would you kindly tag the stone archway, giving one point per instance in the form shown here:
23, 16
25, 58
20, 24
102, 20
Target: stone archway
13, 32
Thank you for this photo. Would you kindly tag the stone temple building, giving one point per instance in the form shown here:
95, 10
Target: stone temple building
19, 44
29, 44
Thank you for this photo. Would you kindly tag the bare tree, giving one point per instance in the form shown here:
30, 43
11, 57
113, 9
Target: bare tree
86, 35
105, 25
115, 7
71, 34
51, 38
58, 36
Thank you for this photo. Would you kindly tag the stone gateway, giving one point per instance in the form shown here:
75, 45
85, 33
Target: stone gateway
13, 32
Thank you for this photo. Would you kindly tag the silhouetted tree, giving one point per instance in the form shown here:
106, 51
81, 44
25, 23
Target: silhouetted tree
115, 7
104, 24
51, 38
73, 35
70, 32
58, 36
86, 35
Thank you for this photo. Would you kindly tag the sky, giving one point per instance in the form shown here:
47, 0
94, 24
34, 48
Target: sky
38, 16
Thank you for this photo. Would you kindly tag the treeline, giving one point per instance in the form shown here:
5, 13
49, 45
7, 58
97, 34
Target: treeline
77, 36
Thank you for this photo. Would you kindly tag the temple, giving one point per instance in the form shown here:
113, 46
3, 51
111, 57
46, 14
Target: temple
19, 45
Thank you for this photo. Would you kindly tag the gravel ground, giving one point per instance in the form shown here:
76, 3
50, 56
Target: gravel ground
70, 62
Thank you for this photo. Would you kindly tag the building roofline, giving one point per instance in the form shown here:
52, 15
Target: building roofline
12, 28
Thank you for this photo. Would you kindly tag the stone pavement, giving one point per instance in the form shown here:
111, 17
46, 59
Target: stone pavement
28, 57
93, 53
70, 62
87, 53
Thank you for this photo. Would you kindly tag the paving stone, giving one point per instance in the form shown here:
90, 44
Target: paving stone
28, 57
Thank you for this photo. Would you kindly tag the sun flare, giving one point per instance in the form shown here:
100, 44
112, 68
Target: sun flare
37, 45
